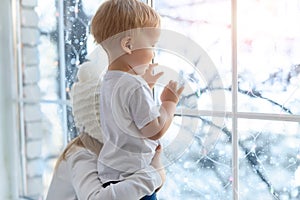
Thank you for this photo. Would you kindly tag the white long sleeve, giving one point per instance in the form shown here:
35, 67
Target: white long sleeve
77, 176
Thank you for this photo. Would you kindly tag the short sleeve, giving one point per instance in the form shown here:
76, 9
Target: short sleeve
142, 106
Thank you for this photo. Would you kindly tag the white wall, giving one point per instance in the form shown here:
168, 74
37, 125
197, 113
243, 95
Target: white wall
8, 135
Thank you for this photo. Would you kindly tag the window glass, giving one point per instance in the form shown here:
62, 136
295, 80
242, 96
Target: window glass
53, 139
48, 50
197, 156
90, 8
48, 67
269, 159
52, 121
268, 56
192, 33
208, 24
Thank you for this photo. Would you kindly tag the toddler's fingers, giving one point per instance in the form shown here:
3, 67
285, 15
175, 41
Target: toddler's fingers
152, 65
158, 75
180, 90
172, 84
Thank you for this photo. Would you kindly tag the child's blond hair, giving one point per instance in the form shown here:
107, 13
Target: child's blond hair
116, 16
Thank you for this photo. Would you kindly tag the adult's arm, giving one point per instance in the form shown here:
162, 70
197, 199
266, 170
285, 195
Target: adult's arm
83, 167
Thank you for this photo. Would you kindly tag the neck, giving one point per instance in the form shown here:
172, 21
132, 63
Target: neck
121, 66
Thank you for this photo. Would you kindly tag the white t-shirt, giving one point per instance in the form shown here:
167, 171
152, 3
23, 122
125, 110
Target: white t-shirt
126, 106
76, 177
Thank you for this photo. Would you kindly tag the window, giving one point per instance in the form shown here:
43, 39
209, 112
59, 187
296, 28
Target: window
236, 132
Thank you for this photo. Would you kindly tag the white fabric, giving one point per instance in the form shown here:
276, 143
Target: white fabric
126, 106
77, 178
85, 100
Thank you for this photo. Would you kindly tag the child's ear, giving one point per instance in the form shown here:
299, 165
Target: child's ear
126, 44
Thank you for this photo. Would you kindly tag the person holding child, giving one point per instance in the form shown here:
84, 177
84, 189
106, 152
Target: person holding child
131, 122
75, 175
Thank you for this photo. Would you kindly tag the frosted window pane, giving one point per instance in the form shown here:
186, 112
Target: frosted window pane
201, 91
268, 56
197, 156
90, 7
208, 24
47, 15
53, 139
269, 159
48, 50
48, 68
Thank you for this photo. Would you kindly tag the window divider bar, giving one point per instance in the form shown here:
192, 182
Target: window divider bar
62, 67
269, 116
150, 3
244, 115
235, 163
16, 7
33, 101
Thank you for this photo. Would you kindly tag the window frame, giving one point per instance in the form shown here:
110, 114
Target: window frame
234, 114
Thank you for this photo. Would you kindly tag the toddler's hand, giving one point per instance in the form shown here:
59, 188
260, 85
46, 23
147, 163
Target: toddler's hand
171, 93
149, 77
